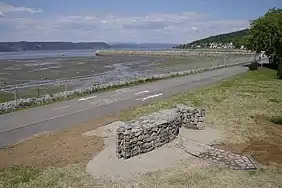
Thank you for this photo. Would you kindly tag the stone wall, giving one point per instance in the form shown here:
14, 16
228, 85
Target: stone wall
149, 132
171, 53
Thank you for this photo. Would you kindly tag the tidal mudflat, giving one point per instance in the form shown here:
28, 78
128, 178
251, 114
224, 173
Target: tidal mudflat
37, 76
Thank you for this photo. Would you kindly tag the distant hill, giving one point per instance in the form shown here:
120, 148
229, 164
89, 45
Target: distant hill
237, 38
35, 46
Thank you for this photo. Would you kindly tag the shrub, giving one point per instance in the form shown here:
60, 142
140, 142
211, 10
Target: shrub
274, 100
276, 120
254, 66
279, 70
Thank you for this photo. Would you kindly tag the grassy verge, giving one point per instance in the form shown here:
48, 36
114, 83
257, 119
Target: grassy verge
31, 92
231, 104
241, 107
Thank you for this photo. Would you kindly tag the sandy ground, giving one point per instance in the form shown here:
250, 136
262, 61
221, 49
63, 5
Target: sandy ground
107, 166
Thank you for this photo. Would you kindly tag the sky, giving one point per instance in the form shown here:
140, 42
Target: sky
154, 21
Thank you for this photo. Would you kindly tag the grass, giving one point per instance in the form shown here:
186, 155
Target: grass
69, 176
18, 176
236, 106
231, 103
6, 96
180, 177
31, 92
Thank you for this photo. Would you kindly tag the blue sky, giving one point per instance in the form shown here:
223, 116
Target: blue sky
164, 21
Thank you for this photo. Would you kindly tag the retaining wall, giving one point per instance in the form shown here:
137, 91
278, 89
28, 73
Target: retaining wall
170, 53
153, 131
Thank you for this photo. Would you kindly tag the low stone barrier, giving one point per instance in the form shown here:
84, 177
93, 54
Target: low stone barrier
149, 132
170, 53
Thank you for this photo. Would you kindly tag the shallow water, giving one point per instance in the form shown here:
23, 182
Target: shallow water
59, 53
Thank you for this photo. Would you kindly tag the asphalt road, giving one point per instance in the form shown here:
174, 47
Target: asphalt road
19, 125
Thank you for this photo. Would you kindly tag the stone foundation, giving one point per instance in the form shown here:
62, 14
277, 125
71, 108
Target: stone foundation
149, 132
191, 117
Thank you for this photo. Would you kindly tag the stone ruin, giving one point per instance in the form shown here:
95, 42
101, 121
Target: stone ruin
153, 131
191, 117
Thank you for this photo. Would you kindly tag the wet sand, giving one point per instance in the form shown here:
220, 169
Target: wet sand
32, 71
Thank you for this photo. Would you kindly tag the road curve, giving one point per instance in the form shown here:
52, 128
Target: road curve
19, 125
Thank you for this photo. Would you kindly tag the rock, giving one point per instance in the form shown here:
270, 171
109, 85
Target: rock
201, 119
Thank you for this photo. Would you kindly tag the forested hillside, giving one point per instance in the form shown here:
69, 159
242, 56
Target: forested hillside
34, 46
237, 38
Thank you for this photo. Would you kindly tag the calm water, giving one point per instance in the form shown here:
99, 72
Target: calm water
60, 53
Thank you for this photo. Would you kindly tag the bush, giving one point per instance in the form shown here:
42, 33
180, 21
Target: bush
276, 120
254, 66
279, 70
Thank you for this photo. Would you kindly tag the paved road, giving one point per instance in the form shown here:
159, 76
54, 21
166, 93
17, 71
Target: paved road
22, 124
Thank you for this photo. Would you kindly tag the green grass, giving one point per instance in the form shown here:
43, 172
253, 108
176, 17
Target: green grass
6, 96
231, 105
31, 92
18, 176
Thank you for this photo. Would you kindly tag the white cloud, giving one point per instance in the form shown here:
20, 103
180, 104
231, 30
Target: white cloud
6, 8
157, 27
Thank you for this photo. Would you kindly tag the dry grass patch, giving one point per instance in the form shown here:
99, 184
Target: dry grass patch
183, 176
266, 151
59, 148
50, 177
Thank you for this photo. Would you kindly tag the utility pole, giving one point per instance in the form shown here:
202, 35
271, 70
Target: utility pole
38, 91
16, 96
66, 89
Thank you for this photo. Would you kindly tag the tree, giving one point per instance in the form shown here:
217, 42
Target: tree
279, 71
266, 33
246, 41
